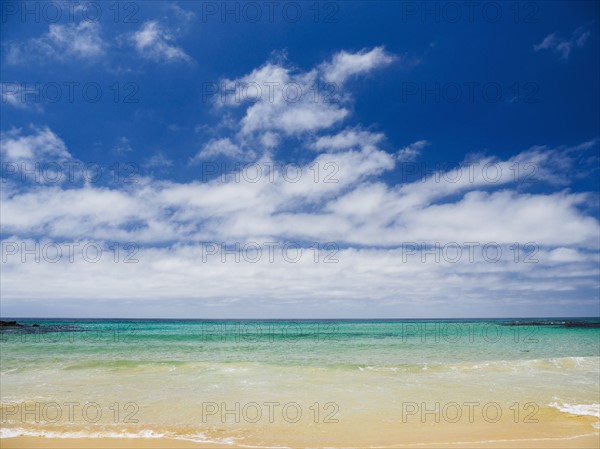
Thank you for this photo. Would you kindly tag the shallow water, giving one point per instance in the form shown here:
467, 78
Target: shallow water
240, 381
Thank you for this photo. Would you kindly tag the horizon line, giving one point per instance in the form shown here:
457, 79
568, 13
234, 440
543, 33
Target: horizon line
301, 319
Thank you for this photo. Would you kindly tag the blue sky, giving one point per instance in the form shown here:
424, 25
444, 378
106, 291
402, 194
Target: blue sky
407, 90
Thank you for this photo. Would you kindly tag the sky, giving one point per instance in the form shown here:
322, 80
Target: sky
300, 159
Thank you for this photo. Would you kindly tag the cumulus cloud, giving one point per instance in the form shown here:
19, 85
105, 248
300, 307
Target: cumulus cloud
344, 65
155, 42
269, 140
449, 206
84, 41
15, 95
169, 278
277, 99
220, 147
369, 220
41, 145
81, 41
343, 190
348, 138
159, 160
410, 152
36, 157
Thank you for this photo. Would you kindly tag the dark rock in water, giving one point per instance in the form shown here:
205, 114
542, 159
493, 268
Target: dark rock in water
36, 325
562, 323
520, 323
10, 324
581, 324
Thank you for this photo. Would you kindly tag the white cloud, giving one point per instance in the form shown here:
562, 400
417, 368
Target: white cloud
410, 152
168, 279
221, 147
563, 46
347, 193
16, 96
438, 208
182, 15
278, 99
358, 210
345, 65
269, 140
123, 146
348, 138
154, 42
282, 99
81, 41
42, 145
550, 41
158, 160
39, 157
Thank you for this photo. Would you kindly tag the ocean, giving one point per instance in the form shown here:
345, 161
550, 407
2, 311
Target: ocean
293, 383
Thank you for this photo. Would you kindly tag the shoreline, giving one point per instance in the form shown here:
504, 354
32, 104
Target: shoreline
579, 441
357, 385
578, 432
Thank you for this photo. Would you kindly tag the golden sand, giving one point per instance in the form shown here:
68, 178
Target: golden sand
577, 432
552, 429
585, 441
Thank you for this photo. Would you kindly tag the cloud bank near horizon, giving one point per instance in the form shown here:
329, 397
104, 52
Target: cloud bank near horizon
392, 245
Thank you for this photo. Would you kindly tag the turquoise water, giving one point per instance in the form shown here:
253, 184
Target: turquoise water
169, 370
353, 343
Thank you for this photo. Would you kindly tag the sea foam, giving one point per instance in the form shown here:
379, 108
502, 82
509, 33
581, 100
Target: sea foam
580, 410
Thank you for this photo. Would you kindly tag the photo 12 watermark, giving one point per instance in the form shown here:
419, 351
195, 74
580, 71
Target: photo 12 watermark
324, 172
469, 12
61, 333
468, 252
51, 252
68, 412
238, 92
269, 252
525, 172
270, 11
469, 92
468, 412
266, 332
69, 171
269, 412
69, 11
467, 333
25, 94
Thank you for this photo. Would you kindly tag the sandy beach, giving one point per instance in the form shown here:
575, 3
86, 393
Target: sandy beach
578, 432
376, 385
585, 441
311, 224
